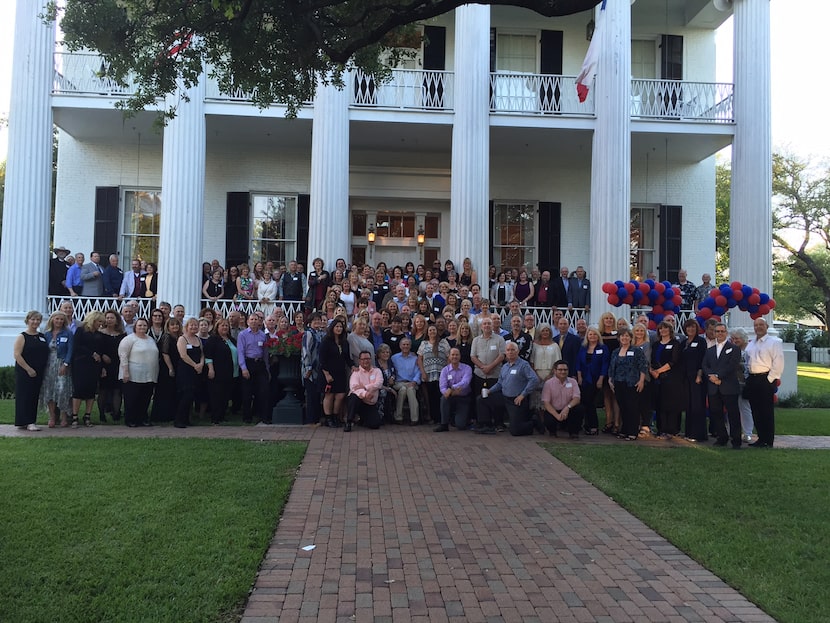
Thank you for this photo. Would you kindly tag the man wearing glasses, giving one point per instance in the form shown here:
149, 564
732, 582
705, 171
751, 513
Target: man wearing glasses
364, 389
721, 365
562, 402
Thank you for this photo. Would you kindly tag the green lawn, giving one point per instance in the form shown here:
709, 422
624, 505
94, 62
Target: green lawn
757, 519
813, 378
136, 529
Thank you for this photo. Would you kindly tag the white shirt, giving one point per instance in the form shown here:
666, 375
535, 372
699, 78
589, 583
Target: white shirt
766, 354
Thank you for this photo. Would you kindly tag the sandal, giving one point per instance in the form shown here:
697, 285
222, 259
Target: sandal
75, 421
88, 420
609, 429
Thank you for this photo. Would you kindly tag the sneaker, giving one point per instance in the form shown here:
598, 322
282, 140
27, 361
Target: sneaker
441, 428
33, 427
500, 429
747, 438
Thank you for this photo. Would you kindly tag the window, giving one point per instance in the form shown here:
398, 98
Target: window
514, 234
643, 59
395, 225
140, 224
274, 228
516, 53
643, 241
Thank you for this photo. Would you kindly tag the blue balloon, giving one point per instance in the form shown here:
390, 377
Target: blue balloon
753, 308
652, 295
747, 290
667, 284
658, 317
708, 302
726, 290
650, 283
743, 305
718, 310
764, 298
637, 296
620, 284
622, 293
730, 303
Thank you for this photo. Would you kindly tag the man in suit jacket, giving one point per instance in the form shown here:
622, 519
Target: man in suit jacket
568, 343
92, 274
543, 291
113, 277
133, 286
57, 272
579, 292
559, 287
721, 365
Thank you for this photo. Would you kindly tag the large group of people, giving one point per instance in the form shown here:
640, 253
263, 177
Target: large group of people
408, 345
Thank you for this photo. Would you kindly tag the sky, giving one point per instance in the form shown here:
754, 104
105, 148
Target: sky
798, 32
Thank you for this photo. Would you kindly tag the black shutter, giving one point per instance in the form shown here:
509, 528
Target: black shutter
671, 57
550, 63
303, 204
435, 45
491, 220
237, 232
492, 50
549, 244
106, 220
671, 231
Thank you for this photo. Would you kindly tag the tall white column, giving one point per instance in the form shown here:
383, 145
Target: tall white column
470, 185
328, 218
611, 157
182, 196
750, 247
28, 195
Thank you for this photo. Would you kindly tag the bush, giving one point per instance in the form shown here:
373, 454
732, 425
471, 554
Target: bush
800, 338
805, 400
7, 382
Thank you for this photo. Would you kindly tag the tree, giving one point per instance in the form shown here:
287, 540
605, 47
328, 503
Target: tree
276, 51
801, 229
723, 185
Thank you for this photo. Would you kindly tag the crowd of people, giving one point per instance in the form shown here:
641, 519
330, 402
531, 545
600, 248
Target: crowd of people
408, 345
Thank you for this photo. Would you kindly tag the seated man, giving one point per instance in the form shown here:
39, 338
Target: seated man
455, 385
511, 394
562, 402
407, 382
364, 389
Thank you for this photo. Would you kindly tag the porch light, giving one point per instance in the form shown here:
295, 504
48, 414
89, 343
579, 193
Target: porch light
421, 236
370, 235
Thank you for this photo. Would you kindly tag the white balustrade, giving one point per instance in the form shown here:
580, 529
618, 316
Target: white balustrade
87, 74
409, 89
537, 94
689, 101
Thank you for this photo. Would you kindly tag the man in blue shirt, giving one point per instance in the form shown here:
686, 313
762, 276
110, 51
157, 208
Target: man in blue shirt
408, 380
511, 393
253, 365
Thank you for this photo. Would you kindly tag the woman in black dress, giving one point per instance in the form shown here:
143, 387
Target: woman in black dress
335, 363
109, 387
668, 380
164, 399
191, 364
223, 368
693, 349
31, 354
87, 346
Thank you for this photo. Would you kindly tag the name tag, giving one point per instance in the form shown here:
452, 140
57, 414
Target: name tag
513, 371
584, 287
598, 351
613, 333
259, 343
41, 338
669, 346
568, 385
142, 279
295, 278
449, 377
728, 350
629, 354
494, 347
694, 344
189, 346
63, 339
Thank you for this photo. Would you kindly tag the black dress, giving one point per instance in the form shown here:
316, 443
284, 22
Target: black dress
109, 347
164, 398
27, 389
85, 370
186, 381
336, 361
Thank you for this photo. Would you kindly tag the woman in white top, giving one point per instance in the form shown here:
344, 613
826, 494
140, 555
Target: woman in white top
347, 298
545, 353
267, 293
139, 371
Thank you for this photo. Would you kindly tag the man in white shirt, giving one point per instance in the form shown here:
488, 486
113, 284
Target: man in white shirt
766, 365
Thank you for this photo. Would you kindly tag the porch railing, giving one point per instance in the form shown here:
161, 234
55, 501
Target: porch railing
537, 94
709, 102
84, 73
406, 89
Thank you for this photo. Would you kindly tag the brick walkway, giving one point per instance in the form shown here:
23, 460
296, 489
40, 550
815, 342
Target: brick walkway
409, 525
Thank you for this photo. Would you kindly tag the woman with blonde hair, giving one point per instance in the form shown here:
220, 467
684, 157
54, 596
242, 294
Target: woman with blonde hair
56, 392
31, 355
610, 337
87, 346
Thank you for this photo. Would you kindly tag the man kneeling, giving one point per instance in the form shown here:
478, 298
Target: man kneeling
364, 389
561, 402
511, 393
454, 384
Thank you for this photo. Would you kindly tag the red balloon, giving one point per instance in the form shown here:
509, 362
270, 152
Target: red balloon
775, 398
677, 300
738, 294
629, 287
705, 313
771, 303
657, 309
676, 290
716, 317
763, 310
652, 325
613, 299
720, 301
754, 299
668, 312
777, 382
714, 292
756, 291
644, 287
755, 315
628, 300
608, 287
660, 287
736, 285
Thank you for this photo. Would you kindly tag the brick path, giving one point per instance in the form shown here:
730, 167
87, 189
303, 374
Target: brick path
409, 525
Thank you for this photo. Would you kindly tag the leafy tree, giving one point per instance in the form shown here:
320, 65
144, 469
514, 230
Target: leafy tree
723, 185
801, 229
274, 50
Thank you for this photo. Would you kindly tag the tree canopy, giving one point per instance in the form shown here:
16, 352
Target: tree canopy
276, 50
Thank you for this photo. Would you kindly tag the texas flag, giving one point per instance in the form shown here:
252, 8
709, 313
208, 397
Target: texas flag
585, 79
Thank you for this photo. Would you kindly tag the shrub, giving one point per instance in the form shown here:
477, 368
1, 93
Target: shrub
6, 382
805, 400
800, 338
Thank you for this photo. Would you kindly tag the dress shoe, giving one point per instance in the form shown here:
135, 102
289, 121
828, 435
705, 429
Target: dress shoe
440, 429
720, 443
348, 427
759, 444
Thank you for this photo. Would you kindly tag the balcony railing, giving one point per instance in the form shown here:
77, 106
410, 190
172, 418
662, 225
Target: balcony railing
81, 73
537, 94
709, 102
407, 89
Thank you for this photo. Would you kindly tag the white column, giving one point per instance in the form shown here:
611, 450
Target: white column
328, 218
750, 248
611, 157
182, 196
28, 195
470, 185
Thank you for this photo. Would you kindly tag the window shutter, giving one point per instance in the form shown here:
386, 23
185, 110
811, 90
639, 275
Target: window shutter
671, 231
237, 228
550, 231
671, 57
551, 52
435, 44
492, 221
105, 239
303, 205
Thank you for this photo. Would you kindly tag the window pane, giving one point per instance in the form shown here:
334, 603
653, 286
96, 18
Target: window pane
514, 234
274, 228
431, 226
141, 223
516, 53
395, 225
359, 226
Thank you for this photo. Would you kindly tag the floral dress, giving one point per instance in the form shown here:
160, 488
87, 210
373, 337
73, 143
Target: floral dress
246, 290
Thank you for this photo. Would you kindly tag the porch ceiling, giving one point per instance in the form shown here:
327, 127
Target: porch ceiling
106, 124
683, 147
556, 146
258, 131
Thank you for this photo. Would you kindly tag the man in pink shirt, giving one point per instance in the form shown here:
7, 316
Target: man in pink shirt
364, 388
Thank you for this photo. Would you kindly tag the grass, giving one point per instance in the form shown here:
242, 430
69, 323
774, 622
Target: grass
757, 519
813, 378
136, 530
